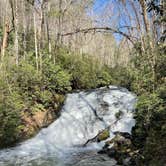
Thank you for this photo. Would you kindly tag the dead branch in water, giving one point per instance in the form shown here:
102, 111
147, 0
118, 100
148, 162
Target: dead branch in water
100, 132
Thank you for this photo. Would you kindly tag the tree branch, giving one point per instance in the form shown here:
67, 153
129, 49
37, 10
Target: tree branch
101, 29
100, 132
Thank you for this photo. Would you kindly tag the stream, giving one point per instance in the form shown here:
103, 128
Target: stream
83, 115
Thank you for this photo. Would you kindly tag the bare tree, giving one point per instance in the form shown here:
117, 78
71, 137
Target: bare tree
36, 41
6, 32
16, 43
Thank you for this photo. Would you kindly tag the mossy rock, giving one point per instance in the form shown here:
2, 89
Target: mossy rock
103, 135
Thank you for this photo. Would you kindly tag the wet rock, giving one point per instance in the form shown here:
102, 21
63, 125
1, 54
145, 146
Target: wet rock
119, 142
112, 152
121, 149
119, 114
124, 134
127, 161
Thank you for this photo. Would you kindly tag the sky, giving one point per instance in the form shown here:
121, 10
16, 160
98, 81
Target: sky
99, 4
99, 7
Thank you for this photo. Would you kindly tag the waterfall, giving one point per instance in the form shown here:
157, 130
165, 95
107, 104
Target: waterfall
83, 115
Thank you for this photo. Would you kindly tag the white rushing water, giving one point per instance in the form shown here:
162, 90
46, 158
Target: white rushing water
83, 115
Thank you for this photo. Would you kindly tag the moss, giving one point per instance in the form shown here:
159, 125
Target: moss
103, 135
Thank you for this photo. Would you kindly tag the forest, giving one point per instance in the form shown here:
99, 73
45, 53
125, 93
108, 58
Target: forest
49, 48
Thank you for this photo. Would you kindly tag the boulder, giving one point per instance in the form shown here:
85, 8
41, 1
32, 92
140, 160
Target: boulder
119, 141
124, 134
120, 148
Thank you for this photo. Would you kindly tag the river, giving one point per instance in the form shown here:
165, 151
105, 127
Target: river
83, 115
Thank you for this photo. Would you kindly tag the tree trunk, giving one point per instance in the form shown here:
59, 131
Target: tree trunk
16, 43
24, 29
41, 36
6, 31
138, 26
59, 22
48, 38
5, 40
150, 50
145, 17
35, 36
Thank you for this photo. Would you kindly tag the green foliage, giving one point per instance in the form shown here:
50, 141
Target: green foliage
150, 126
142, 82
103, 77
149, 132
162, 91
146, 106
103, 135
10, 105
161, 64
56, 78
121, 76
85, 72
24, 77
46, 97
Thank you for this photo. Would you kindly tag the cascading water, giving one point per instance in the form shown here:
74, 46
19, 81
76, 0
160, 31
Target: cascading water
83, 115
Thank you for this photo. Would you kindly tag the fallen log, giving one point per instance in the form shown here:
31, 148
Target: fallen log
102, 135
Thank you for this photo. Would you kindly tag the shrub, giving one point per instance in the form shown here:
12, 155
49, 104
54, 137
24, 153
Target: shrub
11, 104
103, 77
24, 77
121, 76
150, 127
55, 78
85, 72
